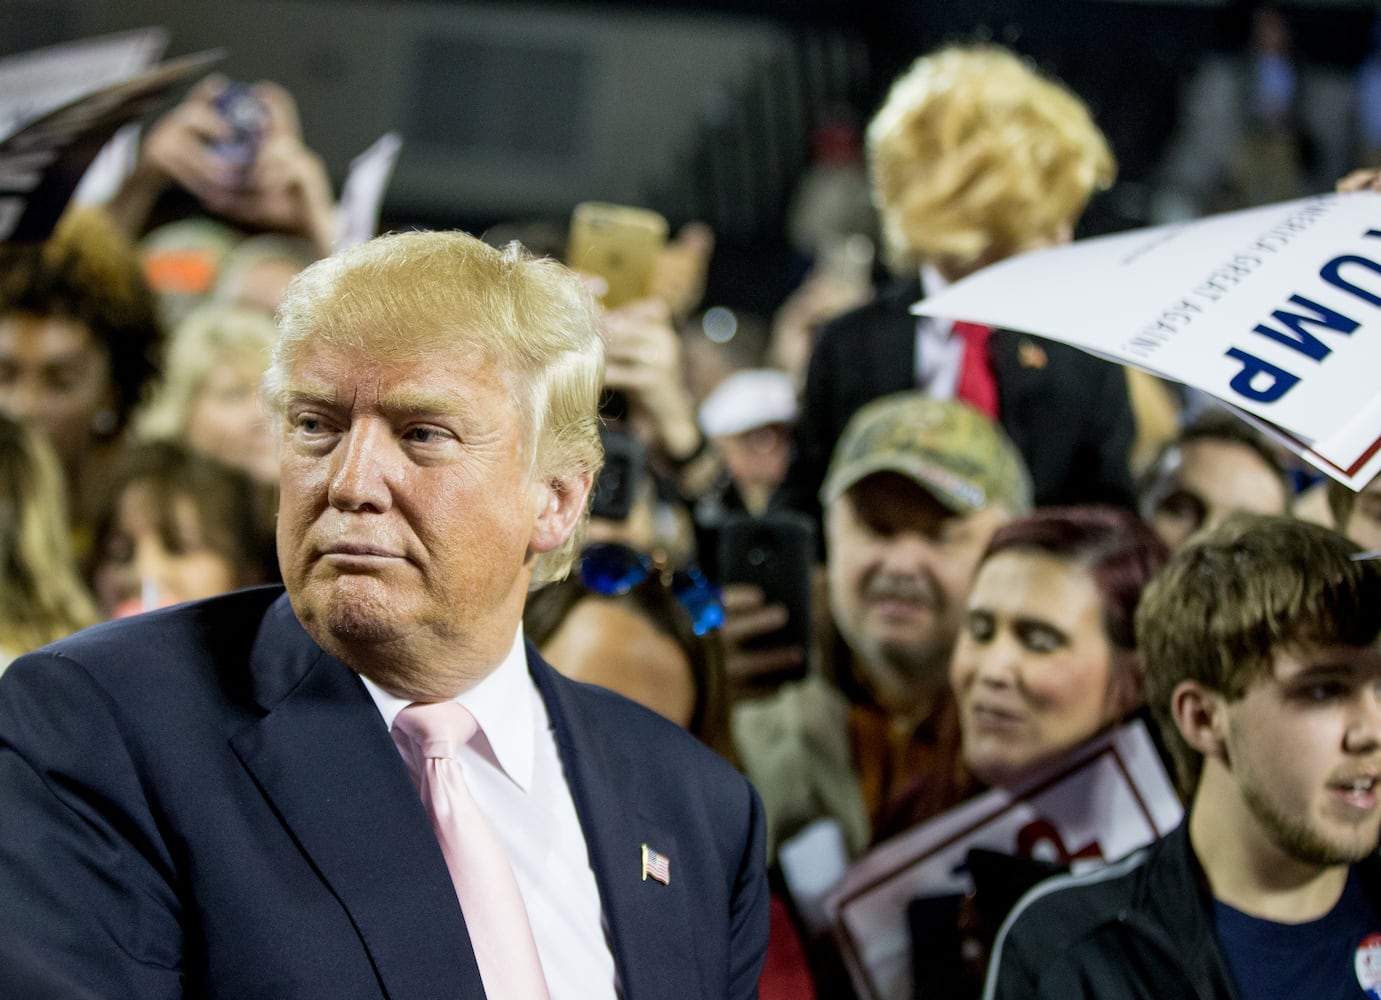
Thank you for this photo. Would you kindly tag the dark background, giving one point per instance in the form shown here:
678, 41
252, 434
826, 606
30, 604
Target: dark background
515, 111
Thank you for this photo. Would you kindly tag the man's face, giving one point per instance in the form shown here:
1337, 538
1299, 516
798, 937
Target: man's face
1213, 479
55, 375
408, 513
899, 565
1304, 748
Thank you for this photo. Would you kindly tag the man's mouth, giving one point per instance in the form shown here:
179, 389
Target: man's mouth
1358, 791
359, 549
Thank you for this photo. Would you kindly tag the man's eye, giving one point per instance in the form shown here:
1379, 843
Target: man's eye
1324, 691
424, 435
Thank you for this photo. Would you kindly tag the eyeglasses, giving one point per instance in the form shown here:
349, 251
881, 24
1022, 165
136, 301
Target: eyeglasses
612, 569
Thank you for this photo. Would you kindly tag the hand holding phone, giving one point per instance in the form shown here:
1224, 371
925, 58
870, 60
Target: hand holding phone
247, 119
619, 244
773, 553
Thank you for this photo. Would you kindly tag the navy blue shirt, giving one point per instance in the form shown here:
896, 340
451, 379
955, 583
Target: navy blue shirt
1317, 959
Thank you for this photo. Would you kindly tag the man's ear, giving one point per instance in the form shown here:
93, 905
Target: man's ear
1201, 717
561, 504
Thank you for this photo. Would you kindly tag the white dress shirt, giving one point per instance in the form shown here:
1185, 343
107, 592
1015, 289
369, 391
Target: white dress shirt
514, 772
939, 353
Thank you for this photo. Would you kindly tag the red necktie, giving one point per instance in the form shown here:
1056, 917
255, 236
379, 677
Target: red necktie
976, 385
430, 735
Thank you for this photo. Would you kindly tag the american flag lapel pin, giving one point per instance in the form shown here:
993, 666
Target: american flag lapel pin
656, 865
1030, 354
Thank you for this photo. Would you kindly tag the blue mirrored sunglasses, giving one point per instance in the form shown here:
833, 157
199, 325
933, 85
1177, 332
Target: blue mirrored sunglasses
611, 569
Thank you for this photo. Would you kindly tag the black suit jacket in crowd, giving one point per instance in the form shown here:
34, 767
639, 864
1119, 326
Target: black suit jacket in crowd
1066, 411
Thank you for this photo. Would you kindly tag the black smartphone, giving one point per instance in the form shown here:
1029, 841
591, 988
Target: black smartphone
774, 552
616, 487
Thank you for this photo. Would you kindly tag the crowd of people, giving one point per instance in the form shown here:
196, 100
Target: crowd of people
364, 516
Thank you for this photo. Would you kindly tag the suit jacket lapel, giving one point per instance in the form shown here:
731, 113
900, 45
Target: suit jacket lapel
894, 363
649, 923
329, 767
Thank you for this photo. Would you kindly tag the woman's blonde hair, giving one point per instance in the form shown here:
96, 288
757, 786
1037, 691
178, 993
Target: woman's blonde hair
974, 156
210, 336
403, 295
42, 597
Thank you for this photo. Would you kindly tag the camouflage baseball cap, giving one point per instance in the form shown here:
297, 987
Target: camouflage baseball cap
948, 447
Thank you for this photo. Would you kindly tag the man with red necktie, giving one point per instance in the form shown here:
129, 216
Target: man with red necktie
974, 158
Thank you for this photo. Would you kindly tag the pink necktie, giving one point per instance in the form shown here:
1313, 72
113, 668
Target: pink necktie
976, 385
430, 736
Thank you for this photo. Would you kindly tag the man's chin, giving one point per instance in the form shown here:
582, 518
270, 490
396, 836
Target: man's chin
349, 615
907, 659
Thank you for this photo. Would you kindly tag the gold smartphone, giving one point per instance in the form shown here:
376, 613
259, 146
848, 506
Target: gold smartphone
618, 243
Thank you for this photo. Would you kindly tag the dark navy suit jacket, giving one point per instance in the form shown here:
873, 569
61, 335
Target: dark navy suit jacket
201, 802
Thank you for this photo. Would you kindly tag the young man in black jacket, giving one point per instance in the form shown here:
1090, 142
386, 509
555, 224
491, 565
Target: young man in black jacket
1263, 668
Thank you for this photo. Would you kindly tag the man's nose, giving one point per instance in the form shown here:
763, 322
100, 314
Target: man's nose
362, 468
1363, 734
907, 552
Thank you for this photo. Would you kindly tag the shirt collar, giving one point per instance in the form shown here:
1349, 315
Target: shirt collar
502, 704
932, 283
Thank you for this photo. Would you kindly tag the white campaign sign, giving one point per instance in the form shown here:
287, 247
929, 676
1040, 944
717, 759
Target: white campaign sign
1276, 311
1110, 798
362, 195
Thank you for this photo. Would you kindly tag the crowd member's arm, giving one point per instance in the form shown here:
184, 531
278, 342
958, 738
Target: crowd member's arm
643, 360
286, 189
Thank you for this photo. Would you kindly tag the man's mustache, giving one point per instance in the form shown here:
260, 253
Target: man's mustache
910, 588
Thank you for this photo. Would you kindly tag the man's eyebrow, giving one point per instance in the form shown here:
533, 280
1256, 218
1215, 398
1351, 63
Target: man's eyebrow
424, 401
299, 396
1331, 669
395, 403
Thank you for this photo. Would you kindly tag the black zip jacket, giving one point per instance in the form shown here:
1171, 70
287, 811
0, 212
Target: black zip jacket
1139, 929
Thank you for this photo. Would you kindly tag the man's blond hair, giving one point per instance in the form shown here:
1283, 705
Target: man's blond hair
975, 156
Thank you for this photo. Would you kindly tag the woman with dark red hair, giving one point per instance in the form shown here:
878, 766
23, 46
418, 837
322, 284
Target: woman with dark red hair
1047, 656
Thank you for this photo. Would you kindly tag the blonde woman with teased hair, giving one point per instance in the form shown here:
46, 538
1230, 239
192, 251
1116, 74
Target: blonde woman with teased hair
209, 394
